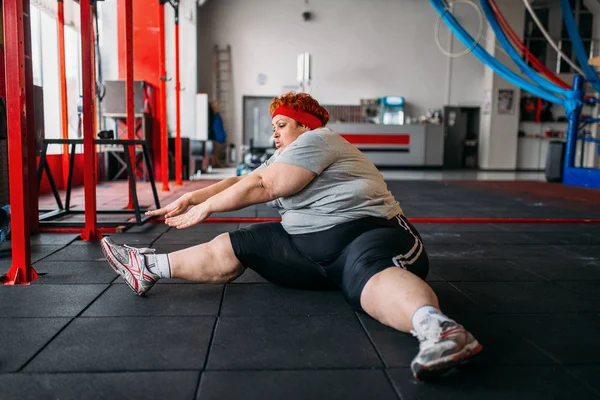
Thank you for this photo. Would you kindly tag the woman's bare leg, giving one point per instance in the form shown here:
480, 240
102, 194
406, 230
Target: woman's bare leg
212, 262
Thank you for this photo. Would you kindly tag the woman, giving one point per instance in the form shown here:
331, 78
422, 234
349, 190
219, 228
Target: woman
341, 227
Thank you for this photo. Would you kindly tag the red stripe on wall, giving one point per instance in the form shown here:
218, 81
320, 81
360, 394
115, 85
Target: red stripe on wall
376, 139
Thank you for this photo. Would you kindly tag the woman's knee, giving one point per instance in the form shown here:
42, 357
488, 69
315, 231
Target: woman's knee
226, 265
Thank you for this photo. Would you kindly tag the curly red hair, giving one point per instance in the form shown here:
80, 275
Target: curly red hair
301, 102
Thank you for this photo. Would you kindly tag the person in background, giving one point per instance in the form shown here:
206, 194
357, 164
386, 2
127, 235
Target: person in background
216, 133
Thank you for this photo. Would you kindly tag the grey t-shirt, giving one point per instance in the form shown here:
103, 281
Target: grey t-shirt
347, 186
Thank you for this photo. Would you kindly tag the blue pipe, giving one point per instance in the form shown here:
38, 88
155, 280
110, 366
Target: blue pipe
573, 118
589, 120
588, 139
493, 63
517, 59
582, 56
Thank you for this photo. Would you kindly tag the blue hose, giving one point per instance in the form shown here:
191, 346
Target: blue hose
570, 103
582, 56
504, 42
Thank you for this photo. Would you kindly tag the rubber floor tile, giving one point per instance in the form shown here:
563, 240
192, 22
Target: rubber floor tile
74, 272
562, 238
437, 227
584, 251
250, 276
326, 341
498, 238
117, 385
443, 238
569, 338
162, 300
515, 252
495, 383
296, 385
21, 338
525, 297
127, 344
588, 374
563, 270
480, 270
586, 291
53, 239
46, 300
452, 301
149, 229
82, 252
460, 251
38, 252
272, 300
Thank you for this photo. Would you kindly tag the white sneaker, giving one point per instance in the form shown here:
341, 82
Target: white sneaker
443, 345
130, 263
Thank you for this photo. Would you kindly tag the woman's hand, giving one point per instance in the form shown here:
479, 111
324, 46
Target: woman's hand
177, 207
194, 216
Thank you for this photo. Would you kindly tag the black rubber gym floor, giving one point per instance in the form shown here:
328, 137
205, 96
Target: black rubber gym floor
529, 293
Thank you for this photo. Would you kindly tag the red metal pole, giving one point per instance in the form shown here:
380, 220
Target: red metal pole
129, 87
31, 142
17, 117
164, 141
90, 232
178, 160
62, 70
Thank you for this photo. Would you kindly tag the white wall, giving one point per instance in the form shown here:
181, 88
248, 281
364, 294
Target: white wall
108, 28
187, 65
498, 132
360, 49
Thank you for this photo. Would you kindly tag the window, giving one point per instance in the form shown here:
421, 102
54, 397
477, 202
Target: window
45, 60
585, 20
534, 39
552, 21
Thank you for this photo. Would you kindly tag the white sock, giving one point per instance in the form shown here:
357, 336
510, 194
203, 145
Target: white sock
159, 264
421, 317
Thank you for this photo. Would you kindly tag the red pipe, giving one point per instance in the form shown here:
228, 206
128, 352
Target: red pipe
62, 70
178, 161
514, 38
427, 220
129, 88
31, 142
164, 141
77, 230
90, 232
21, 270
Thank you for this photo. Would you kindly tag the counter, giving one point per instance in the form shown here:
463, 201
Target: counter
396, 145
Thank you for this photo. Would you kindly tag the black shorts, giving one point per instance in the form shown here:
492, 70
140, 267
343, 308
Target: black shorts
345, 256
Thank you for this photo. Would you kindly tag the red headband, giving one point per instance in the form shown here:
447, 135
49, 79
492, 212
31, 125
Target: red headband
304, 118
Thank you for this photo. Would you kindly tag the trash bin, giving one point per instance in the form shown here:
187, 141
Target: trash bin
555, 161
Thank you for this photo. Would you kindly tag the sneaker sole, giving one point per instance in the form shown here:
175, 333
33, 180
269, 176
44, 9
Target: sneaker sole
433, 371
118, 269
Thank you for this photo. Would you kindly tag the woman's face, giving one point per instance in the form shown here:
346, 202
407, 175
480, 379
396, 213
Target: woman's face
286, 131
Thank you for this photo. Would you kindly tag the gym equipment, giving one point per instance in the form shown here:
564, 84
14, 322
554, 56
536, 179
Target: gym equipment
571, 99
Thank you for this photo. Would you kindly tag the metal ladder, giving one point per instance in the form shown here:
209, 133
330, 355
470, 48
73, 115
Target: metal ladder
222, 88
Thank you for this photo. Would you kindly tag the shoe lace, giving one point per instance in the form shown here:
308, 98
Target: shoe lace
141, 250
433, 330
